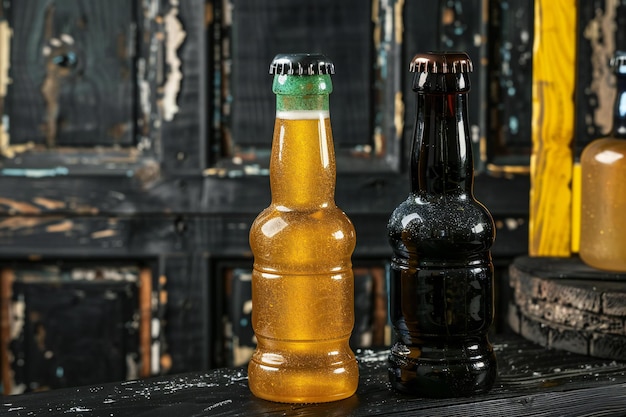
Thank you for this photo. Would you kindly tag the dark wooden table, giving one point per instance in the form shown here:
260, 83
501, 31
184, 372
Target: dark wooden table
532, 381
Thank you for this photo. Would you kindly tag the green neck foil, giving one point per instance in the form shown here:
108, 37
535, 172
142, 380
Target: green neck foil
302, 92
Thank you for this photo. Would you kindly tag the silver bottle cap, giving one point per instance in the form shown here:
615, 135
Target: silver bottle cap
301, 64
441, 63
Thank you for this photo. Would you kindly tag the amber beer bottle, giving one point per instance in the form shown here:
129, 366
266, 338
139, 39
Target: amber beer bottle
302, 282
441, 284
603, 189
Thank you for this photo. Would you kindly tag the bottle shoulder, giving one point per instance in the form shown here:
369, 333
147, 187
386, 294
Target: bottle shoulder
317, 215
321, 240
451, 209
604, 150
274, 224
440, 225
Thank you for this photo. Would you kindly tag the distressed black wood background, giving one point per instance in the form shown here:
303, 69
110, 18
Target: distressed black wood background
600, 33
138, 132
336, 29
71, 319
73, 77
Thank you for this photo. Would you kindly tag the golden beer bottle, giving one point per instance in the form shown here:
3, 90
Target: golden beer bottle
302, 282
603, 190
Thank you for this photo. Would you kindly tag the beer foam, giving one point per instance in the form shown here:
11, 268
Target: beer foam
302, 114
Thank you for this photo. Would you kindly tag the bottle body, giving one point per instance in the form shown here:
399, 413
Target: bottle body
441, 286
603, 198
302, 281
441, 297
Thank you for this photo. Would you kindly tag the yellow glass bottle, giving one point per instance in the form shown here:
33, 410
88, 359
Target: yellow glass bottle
302, 282
603, 188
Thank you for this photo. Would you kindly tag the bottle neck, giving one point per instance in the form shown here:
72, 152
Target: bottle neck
441, 158
302, 166
316, 102
619, 111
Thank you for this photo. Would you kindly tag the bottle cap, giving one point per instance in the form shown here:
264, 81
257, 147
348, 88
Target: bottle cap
618, 62
301, 64
441, 63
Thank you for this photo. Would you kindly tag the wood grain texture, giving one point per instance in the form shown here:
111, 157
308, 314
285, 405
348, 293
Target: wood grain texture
510, 43
145, 322
532, 381
564, 304
72, 71
71, 326
6, 292
340, 30
388, 72
184, 140
552, 127
463, 26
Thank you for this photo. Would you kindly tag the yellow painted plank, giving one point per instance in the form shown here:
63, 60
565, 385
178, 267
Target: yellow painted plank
554, 64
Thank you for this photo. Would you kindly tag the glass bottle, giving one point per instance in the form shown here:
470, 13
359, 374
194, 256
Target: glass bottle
603, 193
441, 284
302, 282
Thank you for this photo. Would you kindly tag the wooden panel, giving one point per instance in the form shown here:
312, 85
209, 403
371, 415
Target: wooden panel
365, 128
71, 326
421, 27
185, 111
145, 67
185, 312
340, 30
387, 117
371, 325
146, 312
72, 73
553, 128
464, 28
510, 86
6, 293
238, 334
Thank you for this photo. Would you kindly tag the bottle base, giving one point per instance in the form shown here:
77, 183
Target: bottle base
442, 373
616, 263
303, 385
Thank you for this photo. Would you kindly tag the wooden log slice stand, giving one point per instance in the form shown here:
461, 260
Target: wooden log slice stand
562, 303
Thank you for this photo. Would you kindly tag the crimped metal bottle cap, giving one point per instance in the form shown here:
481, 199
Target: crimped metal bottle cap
301, 64
441, 63
618, 62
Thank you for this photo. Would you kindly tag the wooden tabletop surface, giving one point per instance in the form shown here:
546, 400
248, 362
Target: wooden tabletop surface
532, 381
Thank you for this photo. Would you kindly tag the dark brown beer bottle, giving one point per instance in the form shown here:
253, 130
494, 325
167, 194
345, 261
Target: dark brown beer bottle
441, 287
